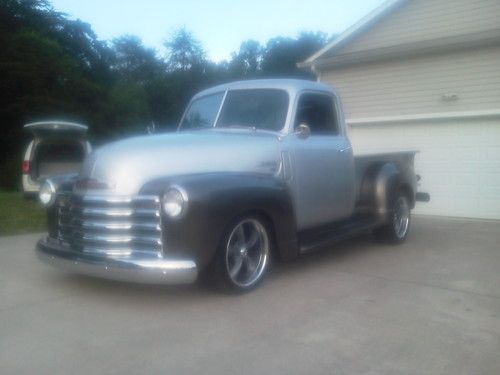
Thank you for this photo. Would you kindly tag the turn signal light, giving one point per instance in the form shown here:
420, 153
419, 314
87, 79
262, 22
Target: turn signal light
26, 166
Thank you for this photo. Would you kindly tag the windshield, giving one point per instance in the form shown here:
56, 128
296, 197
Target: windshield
202, 112
257, 108
250, 108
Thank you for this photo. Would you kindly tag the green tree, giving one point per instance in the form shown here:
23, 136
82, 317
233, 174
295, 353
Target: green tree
134, 62
246, 63
184, 53
282, 54
128, 109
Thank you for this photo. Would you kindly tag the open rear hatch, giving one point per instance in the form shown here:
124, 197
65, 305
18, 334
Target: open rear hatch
59, 148
58, 129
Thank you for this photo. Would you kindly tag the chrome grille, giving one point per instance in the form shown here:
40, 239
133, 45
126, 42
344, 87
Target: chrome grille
111, 225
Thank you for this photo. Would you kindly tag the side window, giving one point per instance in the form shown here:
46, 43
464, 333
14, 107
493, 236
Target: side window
317, 111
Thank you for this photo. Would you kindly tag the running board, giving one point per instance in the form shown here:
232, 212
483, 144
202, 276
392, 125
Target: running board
313, 239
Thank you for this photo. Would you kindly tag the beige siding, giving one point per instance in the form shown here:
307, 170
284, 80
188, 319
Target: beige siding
419, 20
416, 86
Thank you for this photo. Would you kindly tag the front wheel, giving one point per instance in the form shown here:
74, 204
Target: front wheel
244, 255
396, 230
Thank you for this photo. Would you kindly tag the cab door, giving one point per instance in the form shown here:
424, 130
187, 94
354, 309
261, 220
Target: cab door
322, 179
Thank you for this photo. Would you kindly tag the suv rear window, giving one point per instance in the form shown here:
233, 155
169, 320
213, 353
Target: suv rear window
54, 157
52, 151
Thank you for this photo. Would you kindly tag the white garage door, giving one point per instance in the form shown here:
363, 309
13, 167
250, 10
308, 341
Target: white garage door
459, 161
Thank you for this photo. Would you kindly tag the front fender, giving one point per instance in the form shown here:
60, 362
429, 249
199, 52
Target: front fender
217, 199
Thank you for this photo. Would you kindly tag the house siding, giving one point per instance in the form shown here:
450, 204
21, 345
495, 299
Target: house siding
416, 86
419, 20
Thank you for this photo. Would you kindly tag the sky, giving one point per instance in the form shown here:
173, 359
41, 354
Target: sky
220, 25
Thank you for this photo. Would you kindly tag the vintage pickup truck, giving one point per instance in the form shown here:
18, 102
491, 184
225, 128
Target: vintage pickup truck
257, 170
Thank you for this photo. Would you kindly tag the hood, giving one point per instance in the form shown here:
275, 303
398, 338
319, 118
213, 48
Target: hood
128, 164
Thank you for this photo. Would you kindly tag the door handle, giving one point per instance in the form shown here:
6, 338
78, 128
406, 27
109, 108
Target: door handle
286, 163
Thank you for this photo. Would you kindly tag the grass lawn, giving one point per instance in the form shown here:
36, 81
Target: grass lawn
18, 215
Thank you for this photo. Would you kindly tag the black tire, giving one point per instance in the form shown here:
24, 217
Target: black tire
252, 253
395, 231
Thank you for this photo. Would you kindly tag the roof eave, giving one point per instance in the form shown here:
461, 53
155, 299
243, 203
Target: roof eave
352, 31
420, 48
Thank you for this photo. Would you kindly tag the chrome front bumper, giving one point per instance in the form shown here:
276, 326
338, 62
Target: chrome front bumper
130, 269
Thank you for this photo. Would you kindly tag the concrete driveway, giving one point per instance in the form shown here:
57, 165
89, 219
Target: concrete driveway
429, 306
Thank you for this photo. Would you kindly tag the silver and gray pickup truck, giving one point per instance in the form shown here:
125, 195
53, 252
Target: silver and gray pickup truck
257, 171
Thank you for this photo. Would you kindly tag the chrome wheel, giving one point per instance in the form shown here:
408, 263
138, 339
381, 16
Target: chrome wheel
247, 252
401, 218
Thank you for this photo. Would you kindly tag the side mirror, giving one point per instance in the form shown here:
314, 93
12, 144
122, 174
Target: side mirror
303, 131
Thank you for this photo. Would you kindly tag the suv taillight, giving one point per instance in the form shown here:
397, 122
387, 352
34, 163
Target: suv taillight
26, 166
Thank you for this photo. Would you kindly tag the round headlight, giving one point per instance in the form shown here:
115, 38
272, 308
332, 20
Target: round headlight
174, 202
47, 193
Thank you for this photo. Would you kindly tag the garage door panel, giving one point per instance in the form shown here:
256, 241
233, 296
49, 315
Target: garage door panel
463, 167
490, 136
435, 180
489, 208
490, 167
490, 192
447, 206
447, 154
490, 153
459, 162
489, 180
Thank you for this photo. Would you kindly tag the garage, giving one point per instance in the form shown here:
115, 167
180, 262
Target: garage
424, 75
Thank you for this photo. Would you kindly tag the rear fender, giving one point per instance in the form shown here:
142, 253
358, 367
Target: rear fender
381, 184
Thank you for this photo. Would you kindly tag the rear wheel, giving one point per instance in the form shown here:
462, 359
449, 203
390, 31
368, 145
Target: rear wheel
243, 258
396, 230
